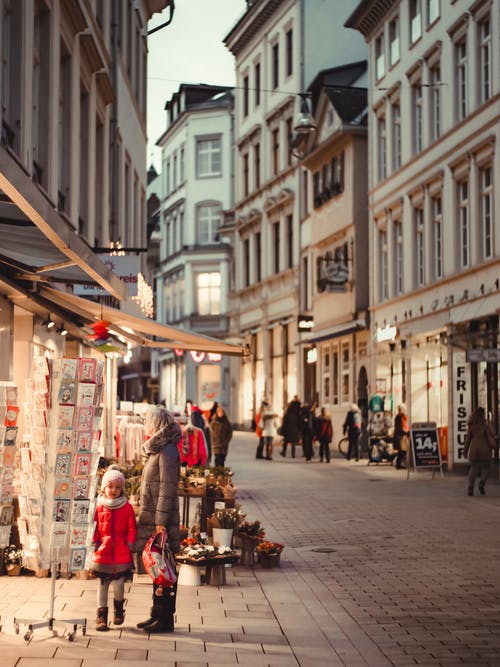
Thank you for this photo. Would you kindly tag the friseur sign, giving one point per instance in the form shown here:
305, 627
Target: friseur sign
489, 355
126, 267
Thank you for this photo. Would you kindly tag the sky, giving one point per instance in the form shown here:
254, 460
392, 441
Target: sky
189, 50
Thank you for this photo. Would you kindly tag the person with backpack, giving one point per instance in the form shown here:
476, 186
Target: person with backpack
352, 427
323, 432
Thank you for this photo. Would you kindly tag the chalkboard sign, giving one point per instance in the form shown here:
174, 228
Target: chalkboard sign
425, 445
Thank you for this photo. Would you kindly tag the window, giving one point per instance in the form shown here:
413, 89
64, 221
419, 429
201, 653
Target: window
338, 174
415, 20
463, 219
256, 155
289, 239
435, 79
245, 96
345, 369
246, 262
335, 375
381, 148
275, 147
245, 175
208, 293
398, 257
318, 200
275, 66
379, 57
486, 211
461, 78
326, 374
209, 217
276, 247
433, 11
396, 135
416, 92
418, 217
167, 179
174, 173
484, 35
208, 157
437, 237
394, 40
289, 137
258, 257
383, 284
289, 52
257, 84
182, 165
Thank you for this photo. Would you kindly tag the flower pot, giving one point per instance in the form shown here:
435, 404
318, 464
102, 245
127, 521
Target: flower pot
13, 569
268, 561
248, 545
222, 537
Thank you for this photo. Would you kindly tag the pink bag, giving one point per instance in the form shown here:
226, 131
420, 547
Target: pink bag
159, 561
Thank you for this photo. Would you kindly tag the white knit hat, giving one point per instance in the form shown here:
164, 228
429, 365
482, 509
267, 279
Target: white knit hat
112, 474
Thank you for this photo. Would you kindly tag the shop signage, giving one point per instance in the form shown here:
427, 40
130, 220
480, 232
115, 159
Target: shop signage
305, 322
126, 267
425, 445
198, 357
461, 404
387, 333
333, 271
489, 355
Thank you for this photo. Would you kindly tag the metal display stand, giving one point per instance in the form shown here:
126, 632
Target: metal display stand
49, 623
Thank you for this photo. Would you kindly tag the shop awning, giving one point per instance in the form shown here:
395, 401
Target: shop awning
334, 332
37, 244
140, 330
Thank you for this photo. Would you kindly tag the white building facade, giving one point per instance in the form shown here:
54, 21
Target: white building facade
279, 46
192, 278
434, 207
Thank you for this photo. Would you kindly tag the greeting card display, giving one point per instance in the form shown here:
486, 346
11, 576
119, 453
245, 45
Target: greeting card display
9, 413
59, 467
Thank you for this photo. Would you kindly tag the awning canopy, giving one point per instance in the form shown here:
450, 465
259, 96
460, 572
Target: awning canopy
37, 244
140, 330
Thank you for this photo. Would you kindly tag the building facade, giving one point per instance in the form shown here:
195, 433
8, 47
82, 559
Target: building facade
434, 128
192, 276
279, 47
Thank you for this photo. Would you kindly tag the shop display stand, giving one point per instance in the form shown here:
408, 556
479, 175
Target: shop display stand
50, 621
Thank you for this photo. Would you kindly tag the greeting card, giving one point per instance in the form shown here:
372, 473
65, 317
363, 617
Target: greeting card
58, 536
82, 465
84, 417
63, 463
66, 416
85, 393
9, 456
81, 489
65, 440
62, 488
11, 395
11, 415
67, 393
78, 536
41, 365
77, 559
60, 511
87, 370
84, 441
80, 511
10, 435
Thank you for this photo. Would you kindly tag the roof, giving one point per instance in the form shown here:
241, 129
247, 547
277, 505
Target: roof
343, 76
350, 103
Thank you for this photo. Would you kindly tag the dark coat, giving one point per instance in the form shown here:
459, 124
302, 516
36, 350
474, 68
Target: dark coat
221, 432
481, 441
159, 500
290, 428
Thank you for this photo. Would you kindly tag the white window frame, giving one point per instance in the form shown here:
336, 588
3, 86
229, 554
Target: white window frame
209, 150
418, 217
461, 72
383, 262
415, 20
208, 292
433, 11
437, 236
381, 147
396, 135
484, 59
208, 219
435, 106
394, 41
398, 257
486, 210
464, 223
418, 120
380, 56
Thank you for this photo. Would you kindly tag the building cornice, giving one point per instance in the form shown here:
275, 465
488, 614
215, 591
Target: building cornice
368, 16
251, 25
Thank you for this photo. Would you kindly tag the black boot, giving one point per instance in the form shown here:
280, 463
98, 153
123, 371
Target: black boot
481, 488
119, 615
101, 621
148, 621
164, 624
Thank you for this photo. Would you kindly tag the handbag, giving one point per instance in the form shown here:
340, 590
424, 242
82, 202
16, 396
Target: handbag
404, 443
159, 561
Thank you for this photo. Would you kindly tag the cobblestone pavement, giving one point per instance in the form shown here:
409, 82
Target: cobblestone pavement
377, 570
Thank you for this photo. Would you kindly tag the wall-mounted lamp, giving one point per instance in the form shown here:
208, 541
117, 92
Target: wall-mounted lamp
50, 323
303, 128
62, 331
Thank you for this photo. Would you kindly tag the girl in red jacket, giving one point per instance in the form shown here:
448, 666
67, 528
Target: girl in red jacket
114, 538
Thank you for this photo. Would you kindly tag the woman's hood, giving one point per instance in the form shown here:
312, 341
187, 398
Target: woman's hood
168, 434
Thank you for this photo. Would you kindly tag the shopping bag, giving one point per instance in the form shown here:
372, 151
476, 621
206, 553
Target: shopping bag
159, 561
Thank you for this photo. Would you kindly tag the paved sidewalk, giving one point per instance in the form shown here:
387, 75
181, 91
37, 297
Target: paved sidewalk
377, 570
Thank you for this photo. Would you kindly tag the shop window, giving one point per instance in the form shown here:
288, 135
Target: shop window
335, 375
346, 368
208, 287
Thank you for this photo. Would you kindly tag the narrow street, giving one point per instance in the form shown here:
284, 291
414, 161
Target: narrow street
377, 570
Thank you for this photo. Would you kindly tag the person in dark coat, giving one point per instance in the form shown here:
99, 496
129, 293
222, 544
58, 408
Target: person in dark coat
159, 504
401, 434
352, 427
479, 446
307, 430
221, 432
290, 427
323, 431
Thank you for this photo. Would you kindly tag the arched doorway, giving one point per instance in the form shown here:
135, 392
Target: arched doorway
362, 401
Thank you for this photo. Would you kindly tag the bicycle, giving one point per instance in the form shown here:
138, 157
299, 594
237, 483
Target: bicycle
343, 446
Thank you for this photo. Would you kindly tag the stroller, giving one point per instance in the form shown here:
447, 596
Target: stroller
380, 450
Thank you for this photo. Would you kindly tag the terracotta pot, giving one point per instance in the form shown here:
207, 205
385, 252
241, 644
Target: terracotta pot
13, 569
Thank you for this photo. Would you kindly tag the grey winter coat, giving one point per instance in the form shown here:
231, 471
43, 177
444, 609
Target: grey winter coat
159, 500
481, 444
221, 432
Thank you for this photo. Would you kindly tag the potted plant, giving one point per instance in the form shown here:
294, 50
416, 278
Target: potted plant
223, 523
249, 534
268, 554
13, 559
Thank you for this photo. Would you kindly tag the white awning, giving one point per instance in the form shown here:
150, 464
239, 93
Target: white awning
140, 330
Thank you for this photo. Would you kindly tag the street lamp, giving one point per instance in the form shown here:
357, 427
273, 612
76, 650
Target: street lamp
303, 128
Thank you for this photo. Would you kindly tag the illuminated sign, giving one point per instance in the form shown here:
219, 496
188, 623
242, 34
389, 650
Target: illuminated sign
305, 322
386, 333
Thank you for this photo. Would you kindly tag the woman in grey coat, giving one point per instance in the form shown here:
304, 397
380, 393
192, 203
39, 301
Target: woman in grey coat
159, 504
479, 447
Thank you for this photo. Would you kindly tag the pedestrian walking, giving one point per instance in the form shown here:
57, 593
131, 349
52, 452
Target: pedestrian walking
159, 505
269, 429
259, 454
221, 432
114, 538
479, 445
307, 431
323, 431
352, 427
290, 427
400, 440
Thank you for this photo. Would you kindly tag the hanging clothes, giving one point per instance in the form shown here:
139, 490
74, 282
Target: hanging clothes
192, 446
130, 437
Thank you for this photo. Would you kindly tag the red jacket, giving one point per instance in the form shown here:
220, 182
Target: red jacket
192, 446
115, 533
